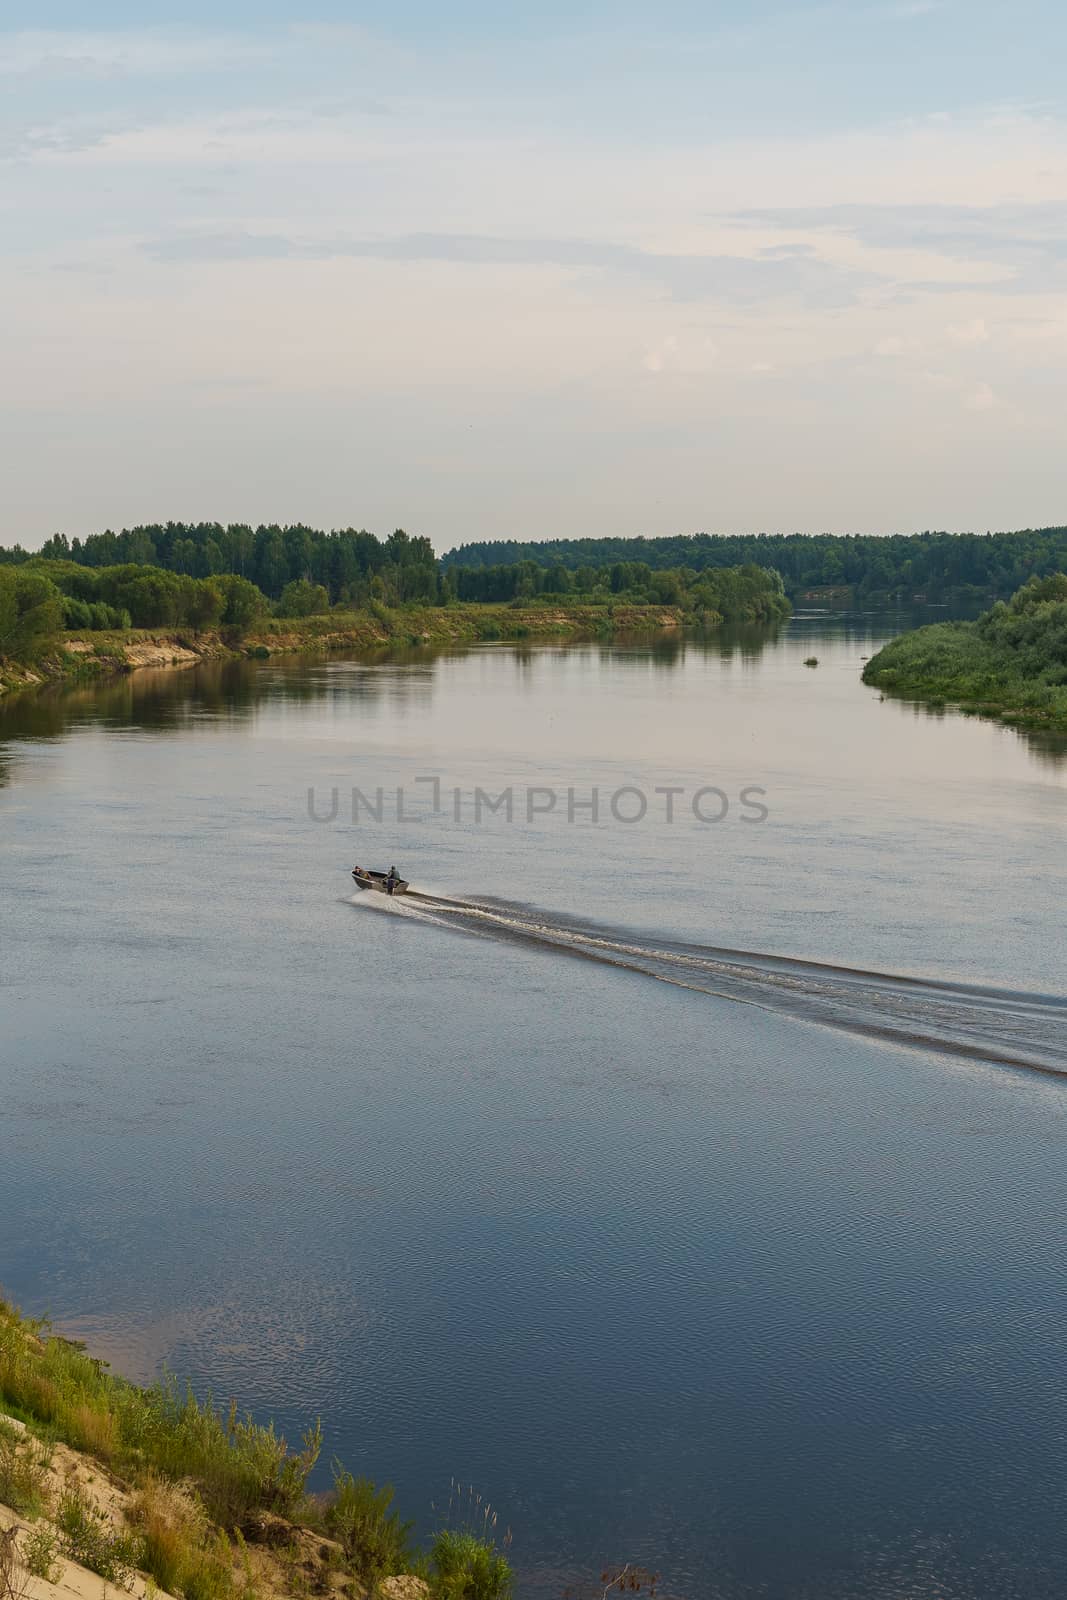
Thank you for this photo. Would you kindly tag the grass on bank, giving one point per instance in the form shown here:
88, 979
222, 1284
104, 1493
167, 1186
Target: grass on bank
87, 655
204, 1479
377, 623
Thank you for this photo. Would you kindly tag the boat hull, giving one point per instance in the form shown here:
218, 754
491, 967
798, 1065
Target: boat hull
378, 881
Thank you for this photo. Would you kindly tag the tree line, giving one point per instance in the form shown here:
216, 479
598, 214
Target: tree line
352, 565
936, 565
39, 599
302, 571
43, 595
748, 593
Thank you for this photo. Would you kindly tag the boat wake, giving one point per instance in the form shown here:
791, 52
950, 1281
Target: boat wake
1008, 1027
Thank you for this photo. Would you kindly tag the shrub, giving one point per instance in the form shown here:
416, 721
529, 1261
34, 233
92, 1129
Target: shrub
40, 1552
303, 599
210, 1577
238, 1466
374, 1539
178, 1548
468, 1568
31, 614
244, 603
23, 1472
76, 613
1012, 659
381, 612
88, 1538
92, 614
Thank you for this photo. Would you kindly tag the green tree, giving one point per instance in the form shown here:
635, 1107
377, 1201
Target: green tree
303, 599
31, 613
203, 603
244, 603
273, 572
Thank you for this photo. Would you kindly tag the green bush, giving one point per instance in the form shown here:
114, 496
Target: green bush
1012, 659
88, 1538
381, 612
244, 603
140, 596
238, 1465
31, 613
40, 1552
23, 1472
302, 599
375, 1541
92, 614
468, 1568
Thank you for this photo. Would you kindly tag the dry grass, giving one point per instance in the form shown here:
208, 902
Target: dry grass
180, 1550
94, 1431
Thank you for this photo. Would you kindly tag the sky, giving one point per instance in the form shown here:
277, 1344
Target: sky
489, 271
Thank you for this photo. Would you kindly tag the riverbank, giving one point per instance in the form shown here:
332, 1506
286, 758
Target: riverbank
159, 1495
87, 654
1011, 663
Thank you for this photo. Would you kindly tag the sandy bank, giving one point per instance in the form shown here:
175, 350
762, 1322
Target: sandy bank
87, 655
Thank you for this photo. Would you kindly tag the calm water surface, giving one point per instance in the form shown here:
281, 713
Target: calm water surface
668, 1182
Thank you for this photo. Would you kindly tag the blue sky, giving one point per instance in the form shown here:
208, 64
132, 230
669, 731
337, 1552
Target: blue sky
503, 271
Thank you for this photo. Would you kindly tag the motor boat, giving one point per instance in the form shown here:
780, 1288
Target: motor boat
367, 878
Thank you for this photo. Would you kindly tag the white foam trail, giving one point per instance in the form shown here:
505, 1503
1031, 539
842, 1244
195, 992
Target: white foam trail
1011, 1027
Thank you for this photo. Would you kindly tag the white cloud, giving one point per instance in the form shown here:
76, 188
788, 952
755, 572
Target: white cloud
452, 258
92, 52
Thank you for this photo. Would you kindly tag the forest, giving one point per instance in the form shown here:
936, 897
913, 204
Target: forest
936, 566
353, 566
42, 596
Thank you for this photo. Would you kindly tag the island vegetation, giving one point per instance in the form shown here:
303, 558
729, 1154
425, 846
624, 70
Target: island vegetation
1011, 662
204, 1502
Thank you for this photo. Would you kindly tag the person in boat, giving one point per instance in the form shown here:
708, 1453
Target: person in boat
392, 878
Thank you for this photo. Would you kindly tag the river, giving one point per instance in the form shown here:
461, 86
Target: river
685, 1176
